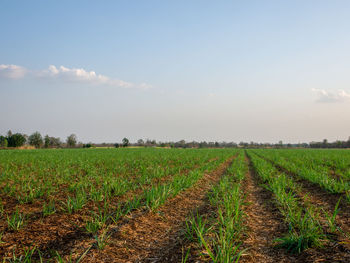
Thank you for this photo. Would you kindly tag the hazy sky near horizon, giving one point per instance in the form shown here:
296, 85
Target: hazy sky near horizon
169, 70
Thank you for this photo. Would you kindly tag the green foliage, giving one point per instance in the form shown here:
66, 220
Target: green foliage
26, 257
97, 221
51, 142
75, 203
331, 219
125, 142
220, 233
16, 220
71, 140
49, 208
16, 140
36, 140
303, 220
102, 240
3, 142
102, 179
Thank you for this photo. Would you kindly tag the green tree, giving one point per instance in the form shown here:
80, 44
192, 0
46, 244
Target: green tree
125, 142
140, 142
46, 141
71, 140
16, 140
36, 140
3, 141
52, 142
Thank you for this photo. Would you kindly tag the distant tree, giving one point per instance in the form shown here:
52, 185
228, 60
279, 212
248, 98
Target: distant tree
140, 142
203, 144
116, 145
52, 142
88, 145
125, 142
36, 140
180, 144
338, 144
46, 141
71, 140
325, 143
148, 143
3, 141
16, 140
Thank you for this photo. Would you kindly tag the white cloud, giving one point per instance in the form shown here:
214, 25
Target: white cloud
72, 75
325, 96
12, 71
83, 76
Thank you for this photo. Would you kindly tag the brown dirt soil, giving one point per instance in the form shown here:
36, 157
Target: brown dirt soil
153, 236
264, 224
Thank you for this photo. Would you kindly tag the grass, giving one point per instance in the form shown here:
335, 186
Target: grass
304, 227
16, 220
102, 187
49, 208
220, 232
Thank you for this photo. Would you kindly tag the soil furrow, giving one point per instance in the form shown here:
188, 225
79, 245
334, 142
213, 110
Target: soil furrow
264, 223
154, 236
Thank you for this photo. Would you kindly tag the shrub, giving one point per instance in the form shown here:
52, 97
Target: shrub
16, 140
3, 141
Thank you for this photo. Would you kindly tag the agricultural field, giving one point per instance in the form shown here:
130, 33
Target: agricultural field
174, 205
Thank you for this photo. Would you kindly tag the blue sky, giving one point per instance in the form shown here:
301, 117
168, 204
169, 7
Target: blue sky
171, 70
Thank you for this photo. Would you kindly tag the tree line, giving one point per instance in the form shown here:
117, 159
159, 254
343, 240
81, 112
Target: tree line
326, 144
38, 141
16, 140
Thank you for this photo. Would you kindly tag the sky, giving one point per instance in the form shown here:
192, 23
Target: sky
260, 71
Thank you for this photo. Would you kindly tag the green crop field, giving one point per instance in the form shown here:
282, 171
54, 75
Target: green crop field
174, 205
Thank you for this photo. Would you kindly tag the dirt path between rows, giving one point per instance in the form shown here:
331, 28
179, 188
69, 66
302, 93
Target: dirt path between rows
152, 237
264, 223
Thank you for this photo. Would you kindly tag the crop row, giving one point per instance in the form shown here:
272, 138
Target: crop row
183, 169
220, 233
302, 218
307, 170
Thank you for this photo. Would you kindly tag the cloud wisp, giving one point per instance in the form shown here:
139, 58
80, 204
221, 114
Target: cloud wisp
325, 96
12, 71
68, 75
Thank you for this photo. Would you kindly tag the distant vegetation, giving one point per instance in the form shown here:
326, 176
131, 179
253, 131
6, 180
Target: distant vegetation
36, 140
